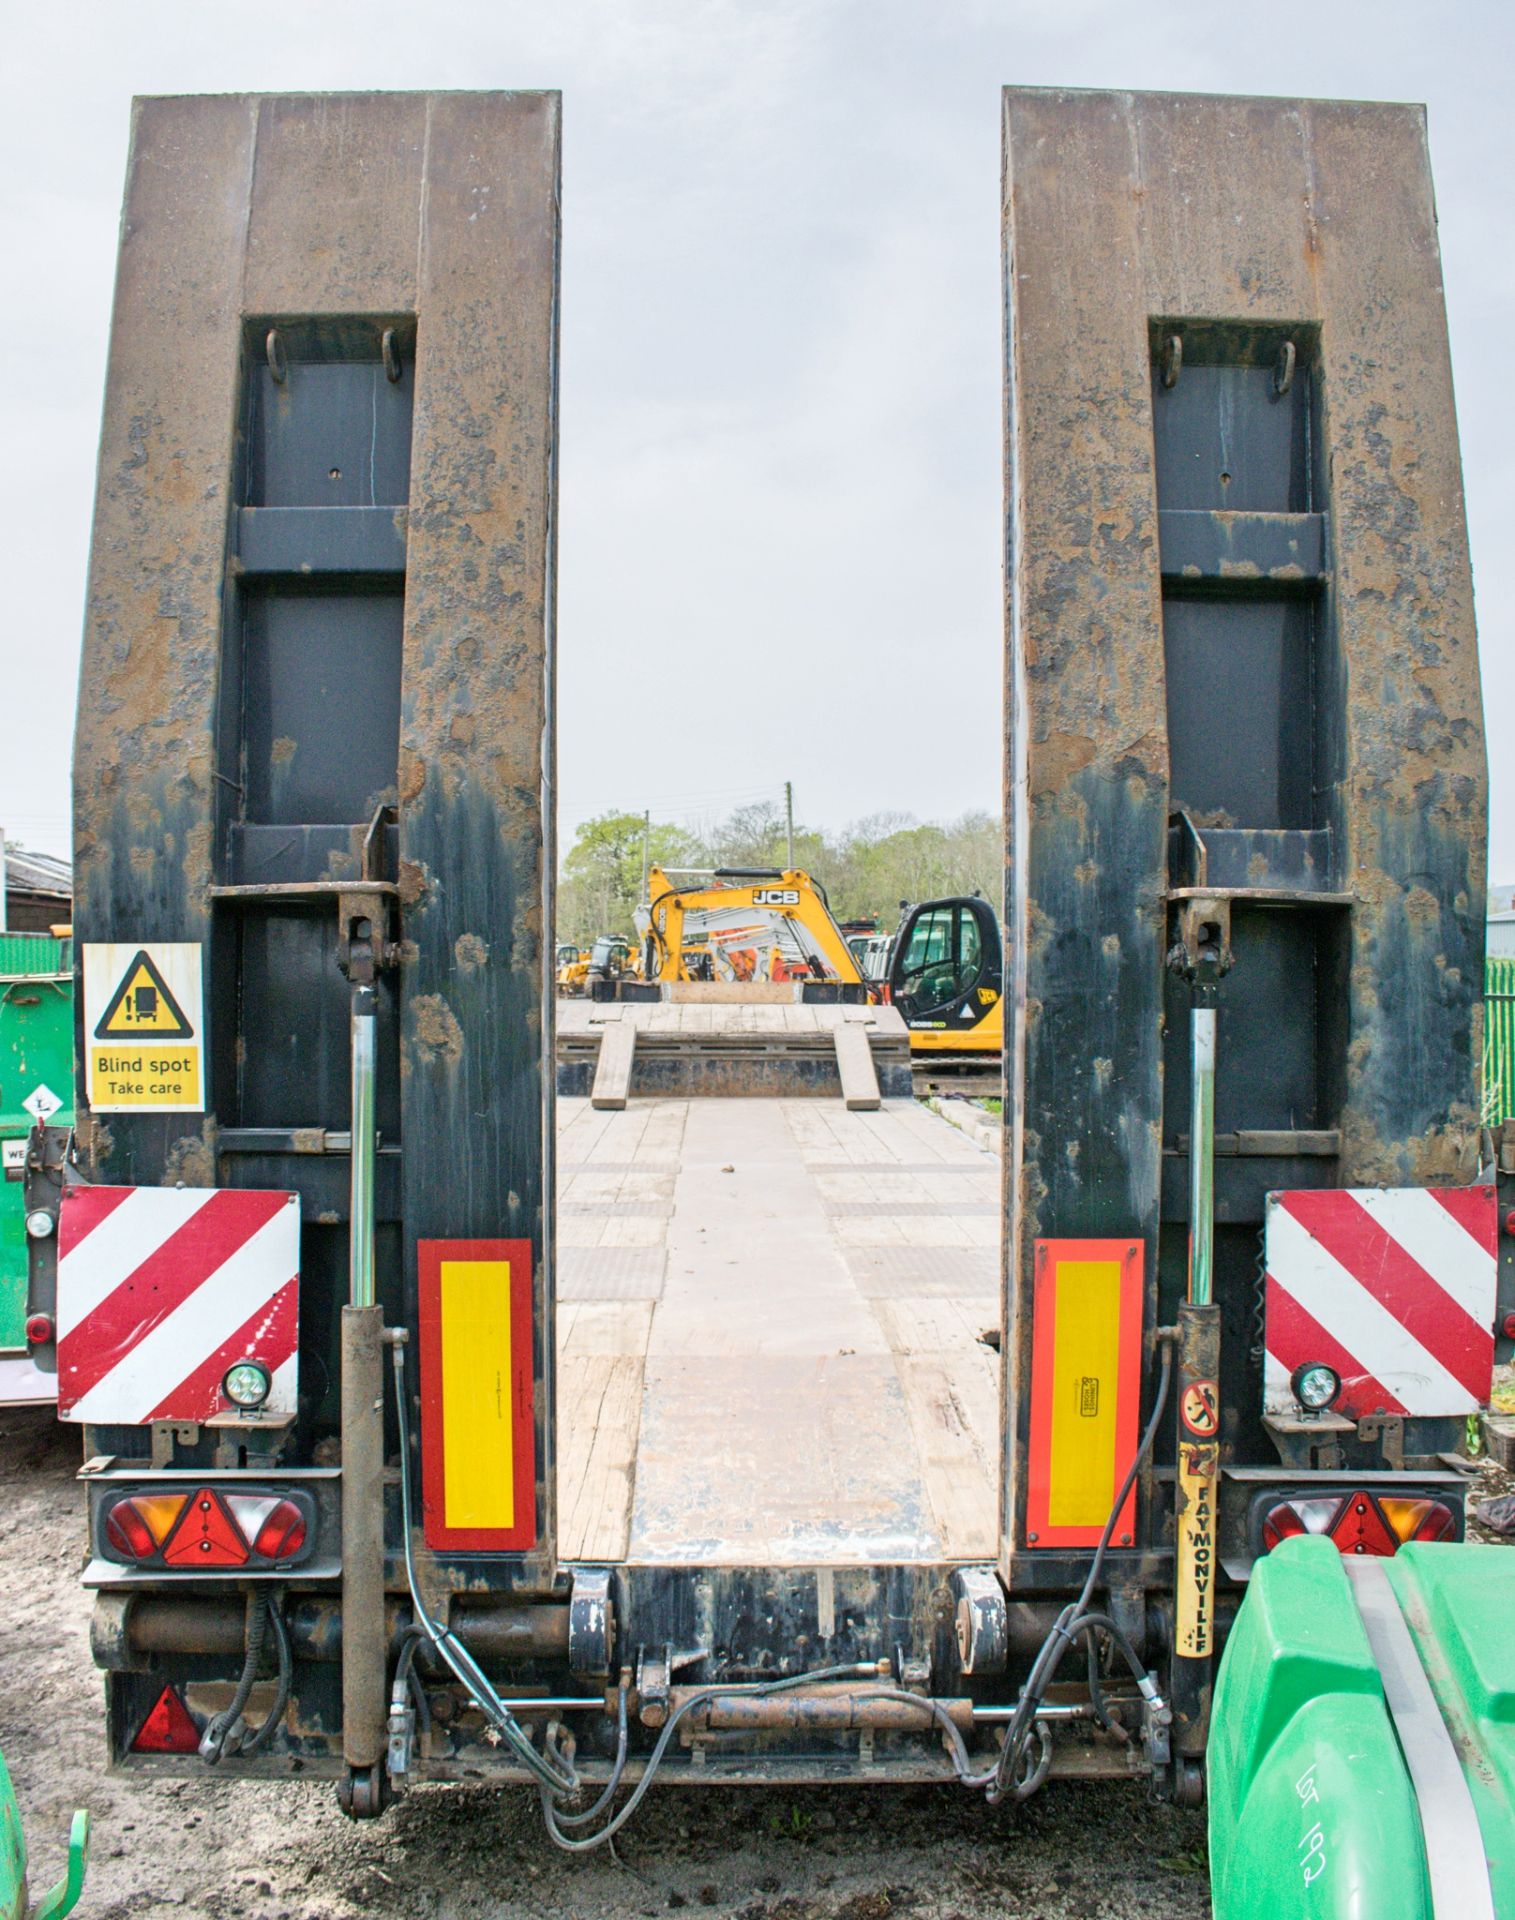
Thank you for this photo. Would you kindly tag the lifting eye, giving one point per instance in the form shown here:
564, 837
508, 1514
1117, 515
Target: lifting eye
1283, 372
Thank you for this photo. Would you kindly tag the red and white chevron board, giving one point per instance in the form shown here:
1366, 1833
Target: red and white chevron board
1393, 1288
161, 1289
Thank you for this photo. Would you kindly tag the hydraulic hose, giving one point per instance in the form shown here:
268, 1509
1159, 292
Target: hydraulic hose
551, 1773
1071, 1624
557, 1821
556, 1816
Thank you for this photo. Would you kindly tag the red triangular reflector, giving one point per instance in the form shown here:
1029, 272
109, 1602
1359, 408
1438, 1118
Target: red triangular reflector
168, 1728
206, 1536
1361, 1528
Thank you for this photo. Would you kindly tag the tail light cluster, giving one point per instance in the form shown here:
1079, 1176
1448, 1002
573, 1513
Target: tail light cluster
1359, 1521
208, 1527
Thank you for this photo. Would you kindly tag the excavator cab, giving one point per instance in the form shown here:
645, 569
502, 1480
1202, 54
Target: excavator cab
609, 957
946, 976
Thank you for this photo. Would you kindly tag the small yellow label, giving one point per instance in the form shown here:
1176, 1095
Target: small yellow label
1198, 1469
478, 1448
1085, 1372
131, 1079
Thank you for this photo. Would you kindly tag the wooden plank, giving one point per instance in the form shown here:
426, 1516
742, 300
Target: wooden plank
612, 1074
774, 1399
960, 1485
599, 1419
854, 1062
609, 1329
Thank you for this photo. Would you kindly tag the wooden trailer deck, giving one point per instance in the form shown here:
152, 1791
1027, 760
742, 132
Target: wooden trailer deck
768, 1334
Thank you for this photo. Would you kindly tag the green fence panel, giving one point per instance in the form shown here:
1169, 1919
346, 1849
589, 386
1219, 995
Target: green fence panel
1499, 1041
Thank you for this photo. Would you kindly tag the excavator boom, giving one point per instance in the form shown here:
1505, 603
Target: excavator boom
742, 925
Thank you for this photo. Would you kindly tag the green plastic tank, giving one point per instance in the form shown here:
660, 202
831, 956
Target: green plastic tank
1315, 1809
36, 1082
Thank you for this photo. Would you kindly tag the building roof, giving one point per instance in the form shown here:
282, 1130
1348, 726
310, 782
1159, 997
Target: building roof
37, 873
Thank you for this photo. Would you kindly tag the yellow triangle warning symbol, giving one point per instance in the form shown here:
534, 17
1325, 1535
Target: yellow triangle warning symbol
142, 1008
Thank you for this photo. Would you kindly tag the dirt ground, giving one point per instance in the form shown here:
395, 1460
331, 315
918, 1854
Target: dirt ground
173, 1849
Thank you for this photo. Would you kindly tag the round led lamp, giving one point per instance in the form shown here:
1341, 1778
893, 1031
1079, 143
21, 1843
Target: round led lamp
1315, 1386
247, 1384
39, 1223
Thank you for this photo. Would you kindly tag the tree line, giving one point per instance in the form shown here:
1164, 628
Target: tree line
867, 868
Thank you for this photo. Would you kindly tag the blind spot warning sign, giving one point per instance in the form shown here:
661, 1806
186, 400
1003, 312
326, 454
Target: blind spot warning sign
144, 1014
142, 1007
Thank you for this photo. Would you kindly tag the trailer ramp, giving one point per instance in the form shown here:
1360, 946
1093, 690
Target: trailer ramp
732, 1041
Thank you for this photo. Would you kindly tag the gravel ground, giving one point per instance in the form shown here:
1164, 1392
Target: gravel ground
171, 1849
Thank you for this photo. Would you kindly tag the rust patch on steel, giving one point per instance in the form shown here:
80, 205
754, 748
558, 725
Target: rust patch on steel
412, 775
435, 1033
191, 1159
470, 952
413, 882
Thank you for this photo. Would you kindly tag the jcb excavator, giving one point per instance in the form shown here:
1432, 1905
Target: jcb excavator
746, 924
946, 975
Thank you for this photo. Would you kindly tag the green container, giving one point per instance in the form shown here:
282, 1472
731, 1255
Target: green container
1312, 1812
37, 1065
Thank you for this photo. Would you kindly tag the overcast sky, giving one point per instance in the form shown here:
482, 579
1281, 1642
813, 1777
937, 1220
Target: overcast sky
780, 482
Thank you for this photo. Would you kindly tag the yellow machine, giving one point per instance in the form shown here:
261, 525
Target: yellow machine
572, 967
612, 957
766, 924
945, 974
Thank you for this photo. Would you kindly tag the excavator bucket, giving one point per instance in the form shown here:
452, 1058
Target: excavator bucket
1362, 1753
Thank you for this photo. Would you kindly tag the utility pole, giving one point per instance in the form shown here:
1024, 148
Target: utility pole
646, 840
789, 815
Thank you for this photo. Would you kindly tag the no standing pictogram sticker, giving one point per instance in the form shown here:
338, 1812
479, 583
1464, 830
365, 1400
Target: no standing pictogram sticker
1199, 1409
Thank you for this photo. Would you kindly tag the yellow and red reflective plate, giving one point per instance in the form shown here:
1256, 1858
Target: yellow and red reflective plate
478, 1432
1085, 1389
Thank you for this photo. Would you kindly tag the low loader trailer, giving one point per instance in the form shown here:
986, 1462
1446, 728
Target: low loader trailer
754, 1425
